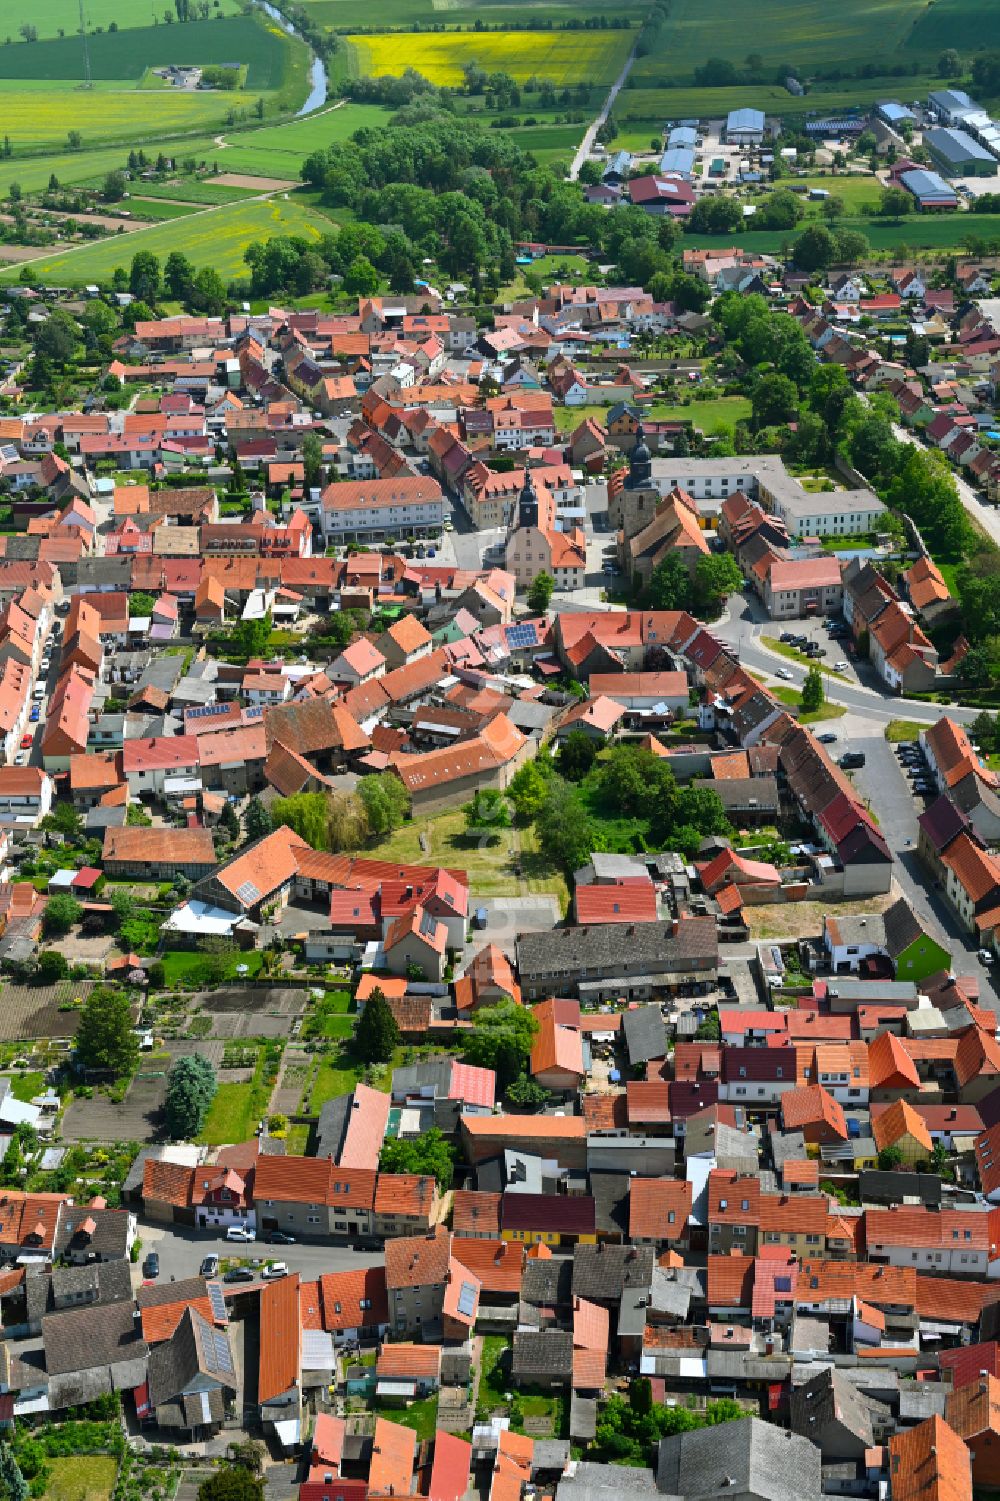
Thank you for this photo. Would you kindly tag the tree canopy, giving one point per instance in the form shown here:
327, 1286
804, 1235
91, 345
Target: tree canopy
190, 1091
501, 1039
106, 1038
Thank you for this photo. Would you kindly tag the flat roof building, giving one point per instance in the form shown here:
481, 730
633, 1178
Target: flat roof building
929, 189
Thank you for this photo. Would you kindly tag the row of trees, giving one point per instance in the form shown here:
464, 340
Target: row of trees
345, 820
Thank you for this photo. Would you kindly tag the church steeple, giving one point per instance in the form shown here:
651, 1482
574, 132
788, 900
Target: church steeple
640, 469
527, 505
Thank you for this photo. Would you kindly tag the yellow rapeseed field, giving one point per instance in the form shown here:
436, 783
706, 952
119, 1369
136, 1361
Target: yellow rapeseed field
567, 57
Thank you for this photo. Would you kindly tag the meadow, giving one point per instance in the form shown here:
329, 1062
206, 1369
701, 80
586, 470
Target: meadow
194, 190
55, 17
931, 232
644, 99
406, 15
804, 32
563, 56
122, 55
216, 237
39, 118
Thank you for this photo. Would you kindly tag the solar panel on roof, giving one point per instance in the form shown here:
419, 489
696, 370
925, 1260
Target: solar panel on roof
428, 925
521, 635
218, 1302
223, 1354
206, 710
467, 1300
248, 892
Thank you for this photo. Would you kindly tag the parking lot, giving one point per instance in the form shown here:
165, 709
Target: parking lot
825, 641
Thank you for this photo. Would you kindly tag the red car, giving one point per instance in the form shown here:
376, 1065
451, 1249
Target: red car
26, 741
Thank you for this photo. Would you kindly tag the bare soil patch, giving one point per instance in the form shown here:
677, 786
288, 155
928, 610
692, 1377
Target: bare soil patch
33, 1010
255, 184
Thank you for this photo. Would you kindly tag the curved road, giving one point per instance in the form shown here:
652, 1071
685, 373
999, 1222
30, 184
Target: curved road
587, 144
742, 629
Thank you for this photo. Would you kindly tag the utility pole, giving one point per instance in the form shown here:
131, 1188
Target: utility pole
88, 82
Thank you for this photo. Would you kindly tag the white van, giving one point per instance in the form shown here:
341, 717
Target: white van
240, 1232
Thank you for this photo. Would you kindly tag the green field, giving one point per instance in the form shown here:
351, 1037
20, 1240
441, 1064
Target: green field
55, 16
155, 210
216, 238
355, 15
714, 416
565, 57
40, 117
121, 55
932, 232
195, 190
803, 32
966, 24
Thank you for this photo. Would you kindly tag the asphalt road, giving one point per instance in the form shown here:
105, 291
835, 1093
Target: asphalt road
746, 623
181, 1251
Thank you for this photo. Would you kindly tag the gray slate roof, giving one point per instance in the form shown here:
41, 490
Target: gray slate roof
645, 1034
547, 1353
746, 1458
601, 1272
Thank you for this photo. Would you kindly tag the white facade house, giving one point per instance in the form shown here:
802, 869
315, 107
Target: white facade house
370, 510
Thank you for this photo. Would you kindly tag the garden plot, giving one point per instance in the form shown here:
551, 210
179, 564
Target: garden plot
28, 1011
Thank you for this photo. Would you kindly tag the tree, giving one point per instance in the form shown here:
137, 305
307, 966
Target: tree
577, 755
57, 338
525, 1091
889, 1159
488, 813
312, 461
895, 203
257, 820
52, 966
670, 585
105, 1038
361, 278
815, 248
949, 64
774, 401
12, 1482
306, 813
813, 692
528, 790
386, 802
190, 1091
715, 576
115, 187
62, 912
250, 637
141, 604
377, 1034
540, 593
178, 276
429, 1155
500, 1039
231, 1483
144, 276
565, 831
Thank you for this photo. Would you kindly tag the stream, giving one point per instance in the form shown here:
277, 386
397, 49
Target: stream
318, 83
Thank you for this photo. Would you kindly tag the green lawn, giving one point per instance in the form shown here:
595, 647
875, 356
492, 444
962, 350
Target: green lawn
333, 1079
25, 1086
493, 1384
898, 730
827, 710
184, 968
328, 1017
489, 865
715, 415
81, 1477
420, 1416
236, 1109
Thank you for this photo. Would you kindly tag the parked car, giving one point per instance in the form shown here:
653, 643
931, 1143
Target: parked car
840, 667
276, 1269
280, 1238
27, 741
151, 1265
34, 716
985, 957
852, 760
239, 1274
783, 672
210, 1266
240, 1232
21, 759
828, 739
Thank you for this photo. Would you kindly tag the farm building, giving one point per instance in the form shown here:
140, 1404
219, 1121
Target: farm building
745, 127
951, 106
957, 154
617, 170
682, 137
930, 190
662, 195
678, 160
894, 113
